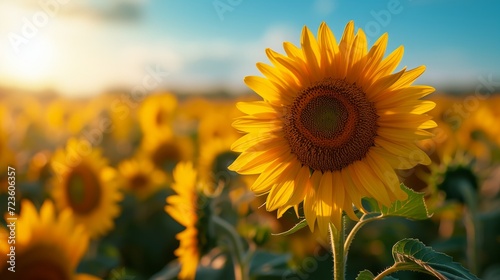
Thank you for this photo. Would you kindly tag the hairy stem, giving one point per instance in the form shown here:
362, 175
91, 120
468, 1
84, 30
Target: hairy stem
337, 237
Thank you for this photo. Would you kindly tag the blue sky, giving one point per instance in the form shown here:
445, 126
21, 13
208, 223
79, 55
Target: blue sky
86, 47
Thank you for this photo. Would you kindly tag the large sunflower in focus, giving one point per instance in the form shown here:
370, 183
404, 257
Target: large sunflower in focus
86, 184
333, 125
47, 247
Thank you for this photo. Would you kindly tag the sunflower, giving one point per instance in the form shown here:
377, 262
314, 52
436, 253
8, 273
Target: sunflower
183, 208
141, 177
454, 180
156, 114
479, 132
165, 152
7, 159
333, 125
85, 184
47, 247
216, 123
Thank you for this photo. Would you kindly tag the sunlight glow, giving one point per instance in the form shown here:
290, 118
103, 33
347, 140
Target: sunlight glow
34, 63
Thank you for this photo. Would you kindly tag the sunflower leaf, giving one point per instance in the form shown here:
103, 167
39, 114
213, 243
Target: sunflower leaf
412, 208
411, 254
367, 275
295, 228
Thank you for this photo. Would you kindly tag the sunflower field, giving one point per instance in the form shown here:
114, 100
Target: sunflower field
332, 165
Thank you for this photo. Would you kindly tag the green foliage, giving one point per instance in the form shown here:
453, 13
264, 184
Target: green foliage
267, 265
367, 275
295, 228
413, 208
411, 254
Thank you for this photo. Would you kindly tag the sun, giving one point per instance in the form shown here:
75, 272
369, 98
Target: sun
32, 61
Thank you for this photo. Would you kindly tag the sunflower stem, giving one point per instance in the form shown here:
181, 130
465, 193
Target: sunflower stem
350, 237
470, 222
337, 237
241, 265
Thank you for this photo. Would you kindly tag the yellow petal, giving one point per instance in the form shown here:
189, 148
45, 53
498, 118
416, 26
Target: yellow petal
310, 201
375, 55
256, 142
283, 190
329, 50
405, 150
255, 124
263, 87
261, 108
357, 58
311, 52
257, 162
389, 63
268, 178
324, 203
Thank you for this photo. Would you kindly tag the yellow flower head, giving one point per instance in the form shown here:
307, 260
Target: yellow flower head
86, 184
183, 208
333, 125
46, 245
156, 114
141, 177
166, 152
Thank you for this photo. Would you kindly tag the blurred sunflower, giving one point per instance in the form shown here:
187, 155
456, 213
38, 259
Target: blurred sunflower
183, 207
47, 247
333, 125
166, 152
453, 181
7, 158
216, 124
86, 185
141, 177
480, 133
156, 113
215, 156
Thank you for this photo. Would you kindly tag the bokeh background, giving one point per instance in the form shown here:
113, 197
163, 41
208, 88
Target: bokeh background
152, 83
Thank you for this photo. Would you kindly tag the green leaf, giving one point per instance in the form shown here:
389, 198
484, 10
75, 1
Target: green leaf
295, 228
411, 254
267, 265
367, 275
412, 208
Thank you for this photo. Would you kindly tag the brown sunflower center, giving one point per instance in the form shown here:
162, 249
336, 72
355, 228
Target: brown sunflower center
160, 118
83, 189
330, 125
41, 262
166, 155
139, 181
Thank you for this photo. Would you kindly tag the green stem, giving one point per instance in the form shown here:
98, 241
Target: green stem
241, 269
470, 223
337, 240
399, 267
395, 267
362, 221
